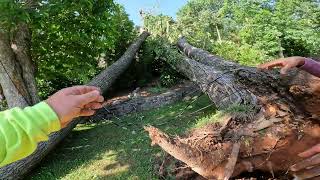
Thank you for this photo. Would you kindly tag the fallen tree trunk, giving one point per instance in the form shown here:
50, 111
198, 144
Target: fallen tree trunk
261, 83
104, 80
270, 135
126, 105
218, 85
204, 57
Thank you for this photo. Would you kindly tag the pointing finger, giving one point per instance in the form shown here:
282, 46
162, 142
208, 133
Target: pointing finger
285, 70
271, 64
314, 160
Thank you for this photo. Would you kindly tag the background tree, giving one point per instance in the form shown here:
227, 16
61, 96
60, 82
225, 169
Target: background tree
70, 43
74, 41
247, 31
16, 68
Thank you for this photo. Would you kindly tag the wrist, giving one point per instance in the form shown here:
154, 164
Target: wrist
52, 106
49, 116
301, 61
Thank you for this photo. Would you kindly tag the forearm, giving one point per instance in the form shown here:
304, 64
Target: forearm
312, 67
22, 130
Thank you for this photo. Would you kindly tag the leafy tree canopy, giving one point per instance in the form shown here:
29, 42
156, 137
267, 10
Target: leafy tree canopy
249, 31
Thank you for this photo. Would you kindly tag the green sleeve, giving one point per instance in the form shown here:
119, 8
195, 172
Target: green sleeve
22, 129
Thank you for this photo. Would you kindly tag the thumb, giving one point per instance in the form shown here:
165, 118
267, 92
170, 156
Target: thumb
87, 98
285, 70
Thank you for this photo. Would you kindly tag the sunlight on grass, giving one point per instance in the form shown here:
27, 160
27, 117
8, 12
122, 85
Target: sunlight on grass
87, 127
104, 167
119, 149
239, 111
212, 118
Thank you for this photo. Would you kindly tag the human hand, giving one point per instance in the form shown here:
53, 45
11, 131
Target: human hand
284, 63
310, 167
76, 101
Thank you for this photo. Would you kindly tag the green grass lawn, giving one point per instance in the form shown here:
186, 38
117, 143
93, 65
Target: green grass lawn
119, 149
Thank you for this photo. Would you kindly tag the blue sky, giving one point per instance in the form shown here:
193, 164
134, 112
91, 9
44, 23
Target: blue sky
167, 7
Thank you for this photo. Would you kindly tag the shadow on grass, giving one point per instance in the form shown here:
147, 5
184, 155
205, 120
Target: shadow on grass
118, 149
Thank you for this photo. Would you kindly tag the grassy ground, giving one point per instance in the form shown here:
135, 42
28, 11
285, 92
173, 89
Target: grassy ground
119, 149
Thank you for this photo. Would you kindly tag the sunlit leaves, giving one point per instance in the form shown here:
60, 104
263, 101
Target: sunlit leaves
70, 36
248, 31
11, 14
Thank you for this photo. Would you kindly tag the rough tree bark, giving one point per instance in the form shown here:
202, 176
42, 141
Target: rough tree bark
104, 80
212, 80
279, 126
16, 66
11, 80
21, 45
2, 100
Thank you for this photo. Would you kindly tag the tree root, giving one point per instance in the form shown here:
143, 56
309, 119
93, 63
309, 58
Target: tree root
273, 150
204, 163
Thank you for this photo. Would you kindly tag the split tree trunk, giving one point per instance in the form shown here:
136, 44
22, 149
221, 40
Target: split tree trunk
21, 45
104, 80
270, 136
17, 70
11, 80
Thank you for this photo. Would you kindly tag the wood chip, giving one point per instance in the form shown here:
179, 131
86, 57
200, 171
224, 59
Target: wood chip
232, 161
263, 124
284, 107
282, 114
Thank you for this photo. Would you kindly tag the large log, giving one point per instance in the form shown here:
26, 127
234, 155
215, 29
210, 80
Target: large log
218, 85
263, 83
270, 137
104, 80
203, 56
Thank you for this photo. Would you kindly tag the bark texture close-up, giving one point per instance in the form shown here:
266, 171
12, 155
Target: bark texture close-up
16, 69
